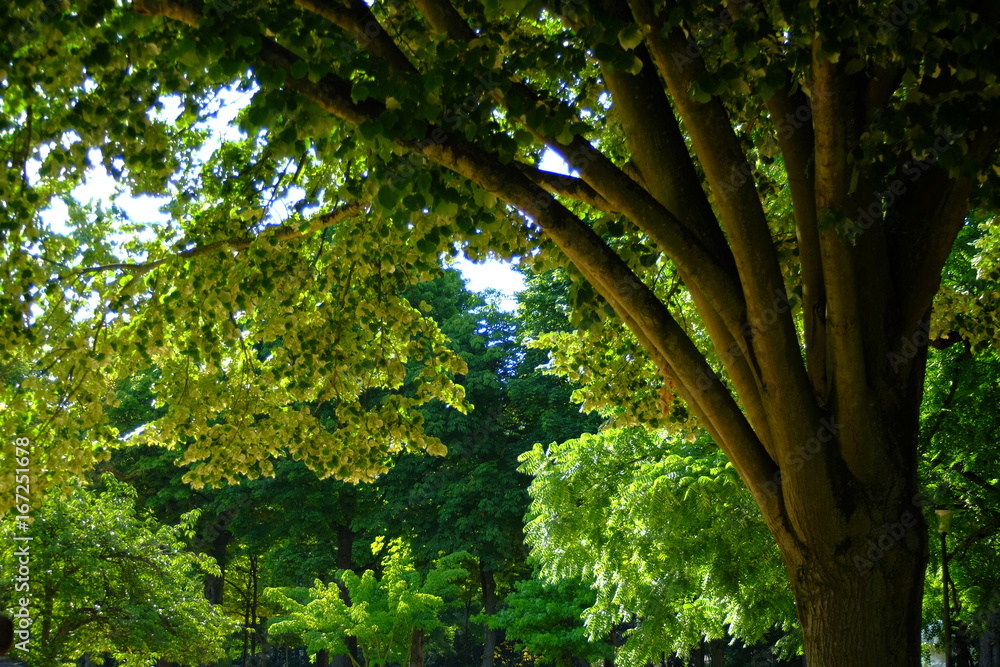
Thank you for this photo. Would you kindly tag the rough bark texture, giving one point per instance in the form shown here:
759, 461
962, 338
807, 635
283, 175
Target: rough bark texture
416, 648
874, 616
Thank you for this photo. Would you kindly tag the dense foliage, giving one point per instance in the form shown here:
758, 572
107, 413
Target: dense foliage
762, 200
104, 580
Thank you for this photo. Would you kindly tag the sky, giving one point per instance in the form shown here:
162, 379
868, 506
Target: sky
99, 185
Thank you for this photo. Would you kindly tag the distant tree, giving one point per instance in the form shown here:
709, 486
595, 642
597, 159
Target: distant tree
104, 580
665, 534
383, 613
546, 620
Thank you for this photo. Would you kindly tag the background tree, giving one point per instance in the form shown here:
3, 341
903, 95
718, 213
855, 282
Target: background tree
383, 613
667, 537
104, 580
689, 127
545, 619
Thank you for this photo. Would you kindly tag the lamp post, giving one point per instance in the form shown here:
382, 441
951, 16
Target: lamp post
944, 525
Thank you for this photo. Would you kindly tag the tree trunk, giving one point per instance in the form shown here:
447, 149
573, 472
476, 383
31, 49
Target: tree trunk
323, 658
345, 561
859, 597
698, 656
989, 642
489, 585
717, 649
416, 648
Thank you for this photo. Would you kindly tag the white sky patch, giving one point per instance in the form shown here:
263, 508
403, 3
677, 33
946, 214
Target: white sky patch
551, 161
492, 274
501, 276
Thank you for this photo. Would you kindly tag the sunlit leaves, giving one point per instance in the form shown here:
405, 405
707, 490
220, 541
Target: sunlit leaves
104, 579
382, 613
660, 529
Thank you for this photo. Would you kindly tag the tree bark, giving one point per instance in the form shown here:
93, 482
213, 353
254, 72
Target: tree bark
717, 651
489, 585
698, 656
416, 648
861, 606
989, 642
828, 449
345, 561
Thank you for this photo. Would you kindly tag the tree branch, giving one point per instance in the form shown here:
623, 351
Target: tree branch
280, 233
784, 384
795, 138
832, 106
633, 300
930, 218
356, 18
702, 269
566, 186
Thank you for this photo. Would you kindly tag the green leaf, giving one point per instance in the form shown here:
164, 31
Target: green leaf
300, 69
630, 37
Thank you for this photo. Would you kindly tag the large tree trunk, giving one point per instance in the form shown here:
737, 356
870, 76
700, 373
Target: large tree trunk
864, 620
859, 590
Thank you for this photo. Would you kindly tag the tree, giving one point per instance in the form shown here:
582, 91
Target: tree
764, 195
383, 613
103, 580
665, 534
546, 620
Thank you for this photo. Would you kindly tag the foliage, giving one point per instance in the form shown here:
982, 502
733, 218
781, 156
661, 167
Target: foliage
104, 580
665, 533
383, 612
546, 620
960, 474
762, 200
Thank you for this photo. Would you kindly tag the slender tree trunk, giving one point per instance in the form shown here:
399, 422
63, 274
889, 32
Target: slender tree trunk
717, 650
345, 561
262, 631
416, 648
489, 585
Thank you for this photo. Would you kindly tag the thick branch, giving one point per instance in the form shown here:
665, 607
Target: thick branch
356, 18
792, 118
931, 217
635, 302
566, 186
704, 268
445, 19
785, 387
832, 108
